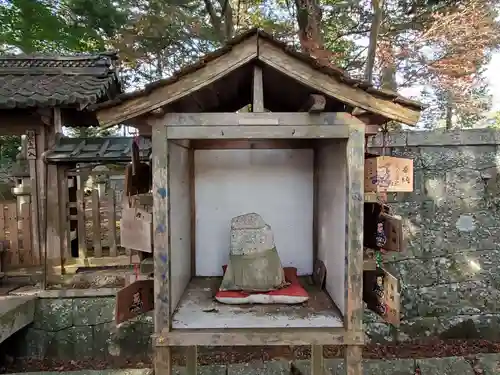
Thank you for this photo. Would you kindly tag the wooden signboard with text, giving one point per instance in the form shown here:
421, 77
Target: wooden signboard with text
136, 229
381, 295
393, 228
134, 300
388, 174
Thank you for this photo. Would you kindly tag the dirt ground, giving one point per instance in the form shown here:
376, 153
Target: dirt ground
422, 349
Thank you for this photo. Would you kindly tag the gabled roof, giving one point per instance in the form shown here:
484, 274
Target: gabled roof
96, 150
257, 47
50, 81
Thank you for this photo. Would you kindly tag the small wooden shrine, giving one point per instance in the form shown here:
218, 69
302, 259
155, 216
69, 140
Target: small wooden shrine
297, 158
39, 94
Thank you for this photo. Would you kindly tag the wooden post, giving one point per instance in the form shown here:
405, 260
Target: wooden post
82, 235
258, 90
112, 223
64, 235
191, 360
53, 201
161, 228
317, 360
353, 317
96, 224
31, 156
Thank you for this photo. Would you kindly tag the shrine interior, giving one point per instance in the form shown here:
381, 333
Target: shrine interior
298, 187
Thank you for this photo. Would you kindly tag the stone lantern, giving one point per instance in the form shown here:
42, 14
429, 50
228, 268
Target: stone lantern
101, 179
20, 172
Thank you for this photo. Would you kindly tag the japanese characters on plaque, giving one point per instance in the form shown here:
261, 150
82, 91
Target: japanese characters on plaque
30, 145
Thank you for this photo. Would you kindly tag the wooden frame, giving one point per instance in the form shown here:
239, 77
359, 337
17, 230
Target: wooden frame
268, 127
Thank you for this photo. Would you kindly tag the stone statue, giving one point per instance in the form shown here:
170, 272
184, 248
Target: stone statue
254, 264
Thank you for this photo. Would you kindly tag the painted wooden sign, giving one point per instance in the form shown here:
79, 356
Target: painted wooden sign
319, 273
388, 174
381, 295
134, 300
136, 226
393, 228
30, 145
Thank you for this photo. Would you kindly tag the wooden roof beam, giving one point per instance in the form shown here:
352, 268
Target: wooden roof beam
302, 72
186, 84
315, 104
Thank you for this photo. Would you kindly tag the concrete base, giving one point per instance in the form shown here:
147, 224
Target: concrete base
16, 312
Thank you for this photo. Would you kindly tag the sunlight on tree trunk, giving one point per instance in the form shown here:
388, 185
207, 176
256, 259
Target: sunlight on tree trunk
377, 6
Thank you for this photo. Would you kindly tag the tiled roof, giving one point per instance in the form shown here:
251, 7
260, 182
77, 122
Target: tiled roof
47, 81
105, 149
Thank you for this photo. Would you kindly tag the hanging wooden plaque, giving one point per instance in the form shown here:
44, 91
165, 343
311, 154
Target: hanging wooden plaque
381, 295
134, 300
388, 174
393, 228
136, 226
30, 145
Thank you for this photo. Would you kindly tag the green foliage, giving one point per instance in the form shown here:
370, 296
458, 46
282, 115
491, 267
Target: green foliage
9, 148
90, 132
157, 37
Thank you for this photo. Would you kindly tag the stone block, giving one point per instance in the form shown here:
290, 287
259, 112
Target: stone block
392, 139
471, 297
457, 158
71, 343
202, 370
378, 333
462, 225
392, 367
444, 366
33, 343
415, 272
15, 314
258, 367
53, 314
470, 266
92, 311
489, 364
481, 326
130, 339
417, 328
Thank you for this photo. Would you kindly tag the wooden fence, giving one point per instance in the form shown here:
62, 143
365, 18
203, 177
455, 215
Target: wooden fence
15, 234
89, 228
96, 225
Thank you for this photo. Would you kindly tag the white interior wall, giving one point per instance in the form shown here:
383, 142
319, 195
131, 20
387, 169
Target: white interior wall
180, 221
331, 220
277, 184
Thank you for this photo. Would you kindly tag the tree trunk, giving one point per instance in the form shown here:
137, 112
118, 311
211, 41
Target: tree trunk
309, 20
223, 24
377, 6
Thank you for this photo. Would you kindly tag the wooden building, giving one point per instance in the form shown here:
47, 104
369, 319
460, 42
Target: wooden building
297, 157
38, 96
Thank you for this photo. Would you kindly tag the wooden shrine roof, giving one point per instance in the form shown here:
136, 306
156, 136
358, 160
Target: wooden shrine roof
98, 150
256, 47
37, 81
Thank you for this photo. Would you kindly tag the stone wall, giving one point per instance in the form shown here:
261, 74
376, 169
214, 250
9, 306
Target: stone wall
450, 270
76, 327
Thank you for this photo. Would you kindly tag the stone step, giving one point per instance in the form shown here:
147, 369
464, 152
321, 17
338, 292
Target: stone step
16, 312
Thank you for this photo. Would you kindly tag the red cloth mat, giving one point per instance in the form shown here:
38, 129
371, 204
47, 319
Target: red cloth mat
292, 294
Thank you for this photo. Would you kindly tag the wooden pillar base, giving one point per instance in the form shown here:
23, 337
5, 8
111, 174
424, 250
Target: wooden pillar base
317, 365
353, 360
163, 360
191, 360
